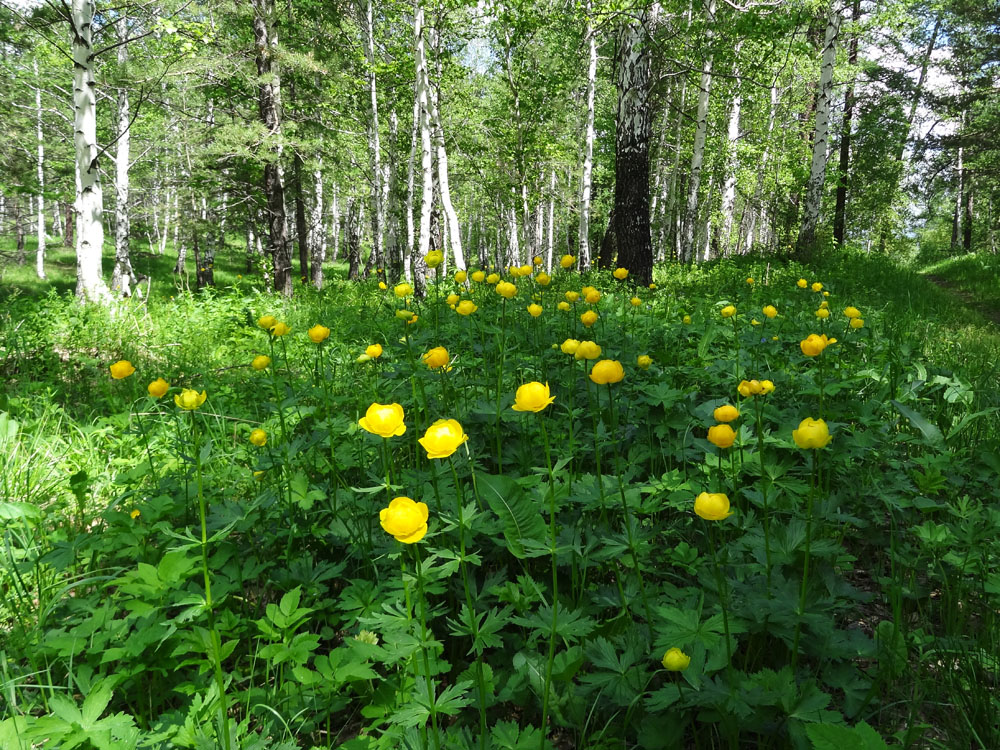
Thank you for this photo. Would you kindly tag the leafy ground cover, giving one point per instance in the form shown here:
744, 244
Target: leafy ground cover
663, 555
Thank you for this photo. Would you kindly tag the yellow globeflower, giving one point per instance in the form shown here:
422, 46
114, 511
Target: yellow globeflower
404, 314
567, 261
766, 387
852, 312
816, 286
403, 290
443, 438
572, 296
543, 279
569, 346
675, 660
158, 388
802, 283
436, 357
726, 413
824, 305
754, 322
813, 345
593, 297
644, 361
822, 313
748, 388
267, 322
189, 400
374, 351
383, 286
535, 310
588, 318
478, 276
652, 286
318, 334
405, 519
770, 311
686, 320
384, 420
635, 301
620, 273
728, 311
280, 329
750, 280
564, 306
452, 299
712, 506
721, 435
532, 396
607, 371
857, 322
258, 437
812, 434
260, 362
434, 258
506, 290
526, 270
537, 260
460, 277
587, 350
121, 369
466, 307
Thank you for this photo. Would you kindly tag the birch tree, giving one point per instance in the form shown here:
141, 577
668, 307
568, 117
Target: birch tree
374, 144
817, 172
40, 166
586, 179
423, 98
89, 205
122, 276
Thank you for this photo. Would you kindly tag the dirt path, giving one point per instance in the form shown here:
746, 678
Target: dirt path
990, 313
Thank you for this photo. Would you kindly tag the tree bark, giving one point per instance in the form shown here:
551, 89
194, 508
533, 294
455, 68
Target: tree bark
317, 243
586, 180
451, 216
40, 166
374, 146
690, 222
89, 207
633, 130
426, 166
840, 208
269, 105
122, 277
353, 239
967, 218
301, 227
813, 204
729, 184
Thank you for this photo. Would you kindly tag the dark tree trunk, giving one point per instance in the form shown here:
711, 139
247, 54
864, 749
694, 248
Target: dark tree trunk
269, 104
19, 232
840, 208
629, 221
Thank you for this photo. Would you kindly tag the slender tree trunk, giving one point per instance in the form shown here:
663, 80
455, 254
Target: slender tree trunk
89, 206
269, 104
301, 226
806, 243
377, 258
688, 250
586, 180
410, 180
426, 165
552, 218
967, 218
317, 245
122, 277
756, 208
353, 238
728, 207
451, 216
393, 248
19, 232
840, 208
40, 168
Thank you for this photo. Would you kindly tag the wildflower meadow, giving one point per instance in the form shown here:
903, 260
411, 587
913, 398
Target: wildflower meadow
736, 507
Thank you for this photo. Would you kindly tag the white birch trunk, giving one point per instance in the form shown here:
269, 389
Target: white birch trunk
89, 206
122, 277
817, 172
729, 183
451, 217
374, 143
756, 209
426, 166
410, 232
40, 253
552, 218
316, 243
514, 249
688, 250
586, 181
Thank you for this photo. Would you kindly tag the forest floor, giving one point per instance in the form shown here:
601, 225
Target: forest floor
974, 279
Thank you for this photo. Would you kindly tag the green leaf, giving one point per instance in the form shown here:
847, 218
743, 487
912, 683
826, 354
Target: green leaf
833, 737
930, 432
522, 522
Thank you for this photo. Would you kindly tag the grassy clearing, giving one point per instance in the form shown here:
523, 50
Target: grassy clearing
183, 584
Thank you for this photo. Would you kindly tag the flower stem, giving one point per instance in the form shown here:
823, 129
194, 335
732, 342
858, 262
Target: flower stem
431, 695
805, 565
546, 690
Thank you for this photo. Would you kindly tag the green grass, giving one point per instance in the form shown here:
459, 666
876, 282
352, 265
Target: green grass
978, 274
900, 627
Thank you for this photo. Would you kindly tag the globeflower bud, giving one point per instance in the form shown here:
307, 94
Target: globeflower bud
532, 397
721, 435
607, 371
405, 519
812, 434
258, 437
318, 334
443, 438
158, 388
587, 350
506, 290
675, 660
588, 318
728, 311
726, 413
644, 361
121, 369
712, 506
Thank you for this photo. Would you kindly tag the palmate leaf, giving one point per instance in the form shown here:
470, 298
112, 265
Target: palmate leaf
522, 522
834, 737
930, 432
